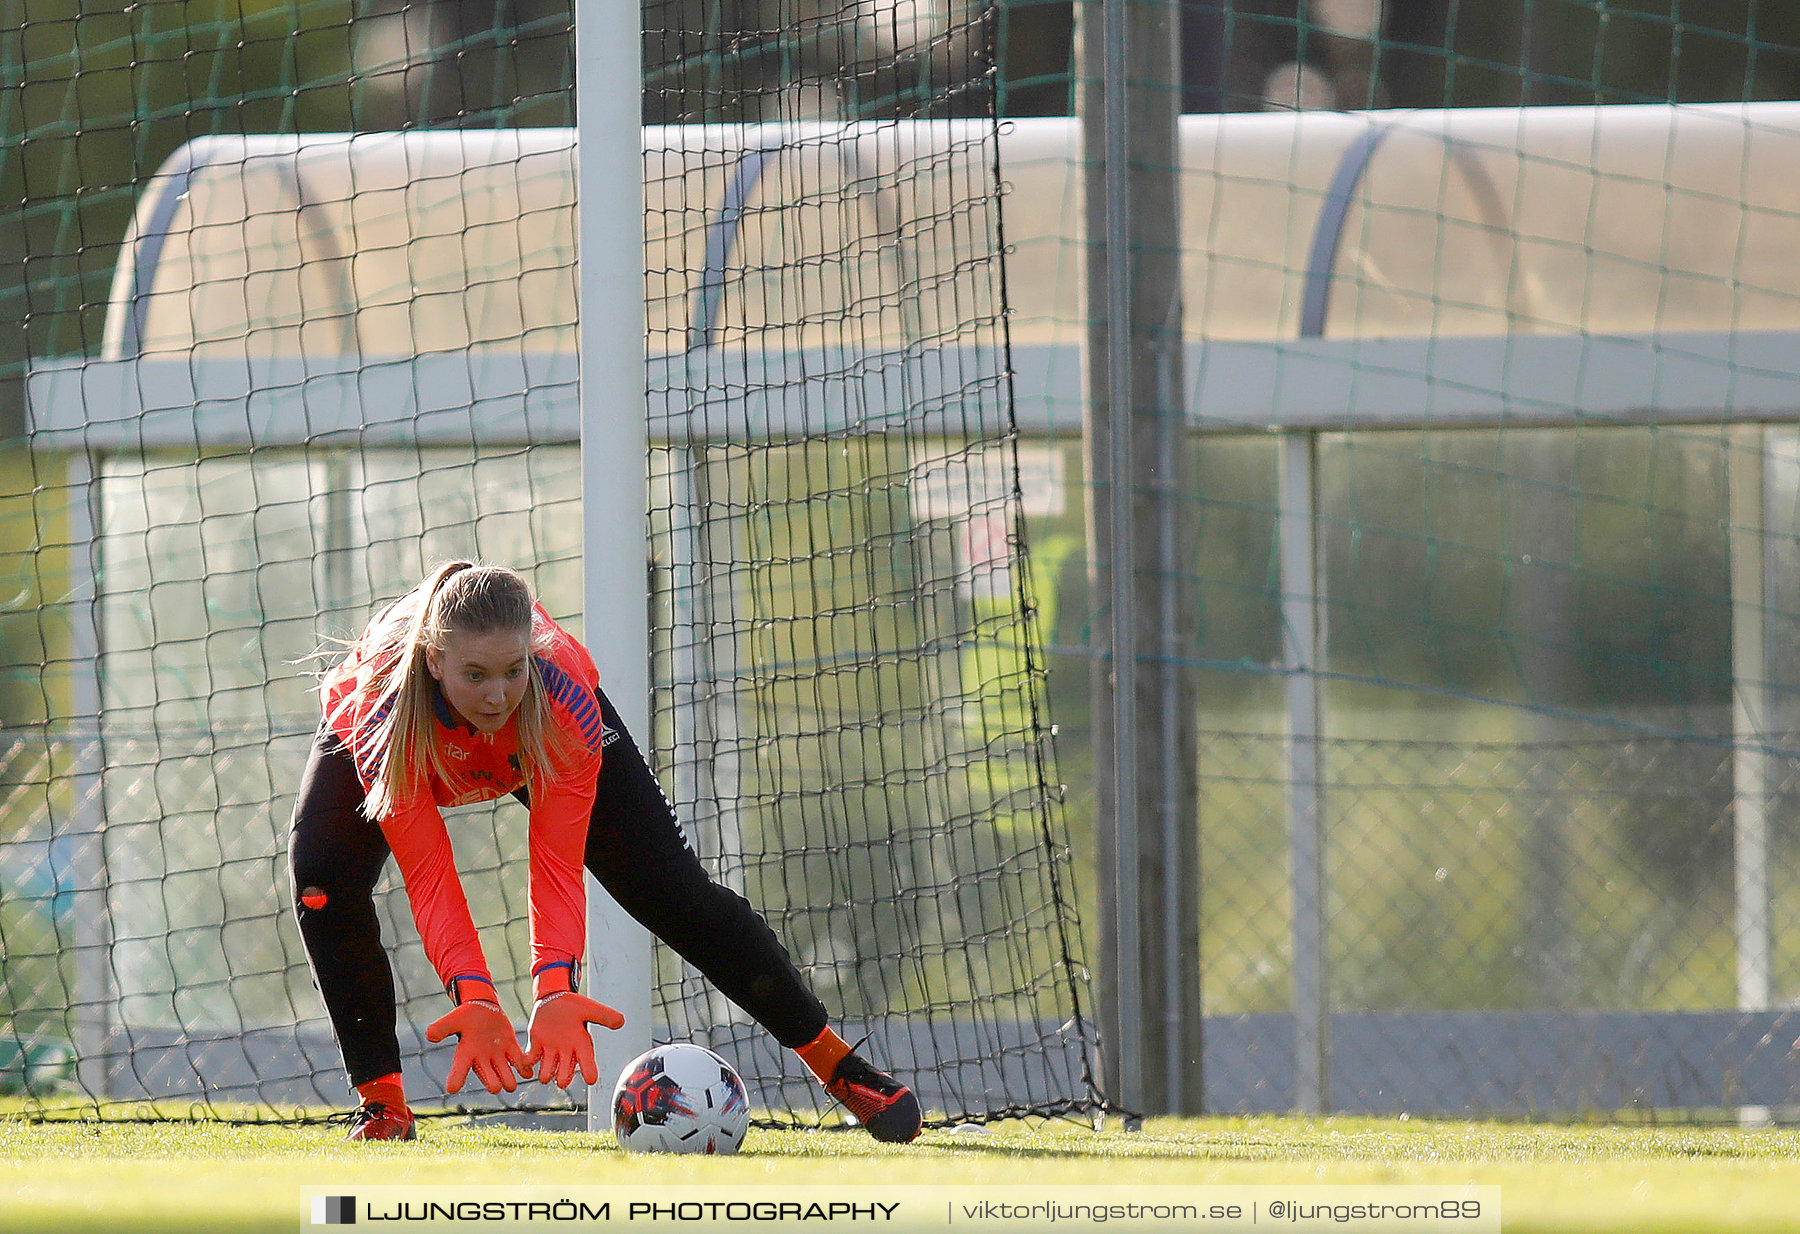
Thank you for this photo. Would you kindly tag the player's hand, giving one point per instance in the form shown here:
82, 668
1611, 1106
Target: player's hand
559, 1037
485, 1044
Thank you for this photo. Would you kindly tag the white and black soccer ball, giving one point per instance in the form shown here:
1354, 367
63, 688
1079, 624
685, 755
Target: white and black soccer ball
680, 1099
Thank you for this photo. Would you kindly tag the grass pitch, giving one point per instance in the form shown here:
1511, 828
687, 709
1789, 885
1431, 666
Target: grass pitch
125, 1178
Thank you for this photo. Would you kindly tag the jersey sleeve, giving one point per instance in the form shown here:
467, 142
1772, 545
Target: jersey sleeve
560, 813
415, 831
557, 894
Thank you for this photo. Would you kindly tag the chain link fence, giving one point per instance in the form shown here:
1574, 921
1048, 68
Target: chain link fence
1540, 928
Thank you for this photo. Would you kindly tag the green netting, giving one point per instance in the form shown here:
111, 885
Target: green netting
297, 293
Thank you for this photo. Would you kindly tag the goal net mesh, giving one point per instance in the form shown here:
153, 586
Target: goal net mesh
299, 321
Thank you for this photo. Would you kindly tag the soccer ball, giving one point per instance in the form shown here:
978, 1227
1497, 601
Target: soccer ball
680, 1099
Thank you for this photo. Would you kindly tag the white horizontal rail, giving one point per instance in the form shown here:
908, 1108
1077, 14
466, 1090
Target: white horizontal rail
511, 398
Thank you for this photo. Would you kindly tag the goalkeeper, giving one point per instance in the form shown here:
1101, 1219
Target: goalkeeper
463, 690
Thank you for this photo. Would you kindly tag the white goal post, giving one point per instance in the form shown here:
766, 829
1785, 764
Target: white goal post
614, 453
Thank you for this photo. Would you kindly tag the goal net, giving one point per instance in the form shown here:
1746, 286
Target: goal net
299, 310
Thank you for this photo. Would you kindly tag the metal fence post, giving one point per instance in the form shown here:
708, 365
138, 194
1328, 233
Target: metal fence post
1746, 460
1302, 641
1138, 448
91, 1012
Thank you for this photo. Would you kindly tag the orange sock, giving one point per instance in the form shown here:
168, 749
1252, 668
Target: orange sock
383, 1088
823, 1053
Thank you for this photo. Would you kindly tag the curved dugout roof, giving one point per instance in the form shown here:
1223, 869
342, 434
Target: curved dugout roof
1387, 224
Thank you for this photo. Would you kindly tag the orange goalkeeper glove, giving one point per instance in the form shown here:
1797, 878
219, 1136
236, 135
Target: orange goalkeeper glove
559, 1037
485, 1044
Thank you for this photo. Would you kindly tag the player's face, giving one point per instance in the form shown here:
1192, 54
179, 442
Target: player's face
483, 675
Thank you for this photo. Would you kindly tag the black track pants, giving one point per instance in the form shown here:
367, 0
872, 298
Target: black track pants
635, 848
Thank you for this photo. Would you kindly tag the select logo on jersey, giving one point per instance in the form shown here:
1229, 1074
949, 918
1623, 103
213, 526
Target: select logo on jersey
334, 1210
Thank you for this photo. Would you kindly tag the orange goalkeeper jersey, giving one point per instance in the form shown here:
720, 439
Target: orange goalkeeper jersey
483, 767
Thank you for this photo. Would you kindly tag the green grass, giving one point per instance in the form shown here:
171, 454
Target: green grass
124, 1178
